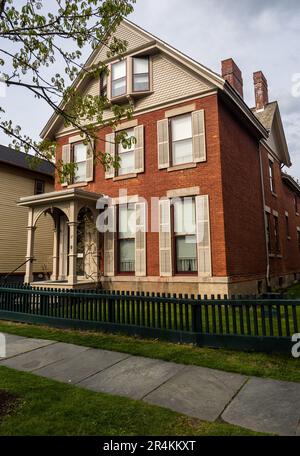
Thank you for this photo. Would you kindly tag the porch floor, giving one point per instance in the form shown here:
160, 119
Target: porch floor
63, 284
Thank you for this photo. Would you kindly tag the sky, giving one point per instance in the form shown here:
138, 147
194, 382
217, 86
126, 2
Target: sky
257, 34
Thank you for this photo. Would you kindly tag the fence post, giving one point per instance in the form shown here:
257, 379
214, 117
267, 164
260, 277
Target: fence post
110, 312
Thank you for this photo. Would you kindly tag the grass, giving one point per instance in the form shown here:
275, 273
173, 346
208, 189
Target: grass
293, 292
276, 366
47, 407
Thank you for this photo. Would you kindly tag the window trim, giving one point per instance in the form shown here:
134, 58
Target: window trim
132, 173
36, 182
276, 235
73, 144
125, 61
133, 74
177, 166
174, 236
102, 86
118, 239
272, 176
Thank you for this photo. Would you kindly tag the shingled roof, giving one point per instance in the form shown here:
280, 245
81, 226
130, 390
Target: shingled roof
266, 116
19, 159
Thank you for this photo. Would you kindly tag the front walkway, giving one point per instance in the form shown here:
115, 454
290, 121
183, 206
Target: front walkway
263, 405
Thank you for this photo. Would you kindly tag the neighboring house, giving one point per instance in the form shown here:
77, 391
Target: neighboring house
18, 179
198, 142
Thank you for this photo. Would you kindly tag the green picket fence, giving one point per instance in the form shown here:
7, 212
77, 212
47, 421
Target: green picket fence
245, 323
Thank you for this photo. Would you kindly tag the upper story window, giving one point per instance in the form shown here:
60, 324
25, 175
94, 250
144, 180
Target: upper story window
39, 187
126, 156
126, 238
103, 85
271, 176
185, 235
298, 232
296, 204
276, 234
268, 219
141, 79
79, 152
118, 79
287, 225
181, 139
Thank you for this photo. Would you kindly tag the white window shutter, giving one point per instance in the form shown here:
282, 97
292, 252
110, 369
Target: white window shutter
199, 141
109, 244
140, 240
165, 238
139, 149
90, 161
66, 158
109, 83
163, 143
110, 149
203, 236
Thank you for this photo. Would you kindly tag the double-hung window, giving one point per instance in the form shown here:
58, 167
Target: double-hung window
126, 238
268, 219
271, 176
126, 156
185, 242
118, 83
103, 84
182, 139
141, 80
79, 159
298, 233
276, 234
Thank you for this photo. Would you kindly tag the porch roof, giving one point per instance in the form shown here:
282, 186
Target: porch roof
70, 194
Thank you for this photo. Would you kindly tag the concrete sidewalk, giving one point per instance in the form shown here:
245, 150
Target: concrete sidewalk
259, 404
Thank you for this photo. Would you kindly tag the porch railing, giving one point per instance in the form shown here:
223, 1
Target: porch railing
248, 323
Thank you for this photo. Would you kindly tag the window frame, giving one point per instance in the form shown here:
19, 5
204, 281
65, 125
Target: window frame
118, 240
114, 80
170, 119
272, 176
126, 151
268, 229
72, 161
175, 236
104, 87
296, 204
134, 74
277, 234
298, 238
36, 182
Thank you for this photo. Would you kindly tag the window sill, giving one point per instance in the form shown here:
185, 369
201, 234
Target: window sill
272, 255
124, 177
274, 194
289, 238
181, 167
297, 214
78, 185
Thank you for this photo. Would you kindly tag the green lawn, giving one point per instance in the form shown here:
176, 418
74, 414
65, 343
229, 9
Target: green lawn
277, 366
293, 292
46, 407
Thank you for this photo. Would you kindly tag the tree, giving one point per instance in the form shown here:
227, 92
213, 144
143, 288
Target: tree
40, 35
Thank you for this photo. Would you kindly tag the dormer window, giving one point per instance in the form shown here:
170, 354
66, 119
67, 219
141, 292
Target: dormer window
141, 80
103, 85
119, 76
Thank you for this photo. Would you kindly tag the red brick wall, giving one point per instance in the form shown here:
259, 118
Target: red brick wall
155, 182
242, 194
288, 261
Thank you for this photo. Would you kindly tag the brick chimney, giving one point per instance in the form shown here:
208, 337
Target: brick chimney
261, 90
232, 74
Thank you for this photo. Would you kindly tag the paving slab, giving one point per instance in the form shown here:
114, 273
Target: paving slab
267, 406
198, 392
23, 345
40, 357
134, 377
81, 366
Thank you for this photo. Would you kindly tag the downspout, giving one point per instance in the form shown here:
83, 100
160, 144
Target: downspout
265, 220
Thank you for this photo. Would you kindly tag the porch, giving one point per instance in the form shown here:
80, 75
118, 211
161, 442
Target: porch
76, 253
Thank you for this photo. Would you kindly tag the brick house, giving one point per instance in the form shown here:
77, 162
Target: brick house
213, 213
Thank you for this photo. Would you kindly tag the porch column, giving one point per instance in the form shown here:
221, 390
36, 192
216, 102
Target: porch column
30, 247
55, 250
72, 274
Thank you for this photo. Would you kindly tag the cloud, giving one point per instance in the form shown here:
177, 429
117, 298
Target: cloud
258, 34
